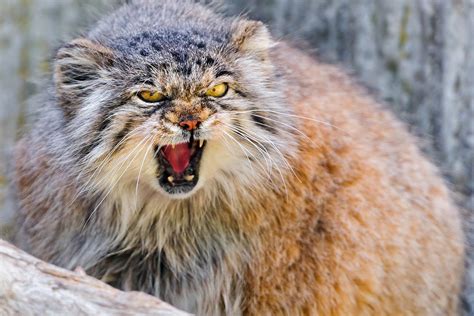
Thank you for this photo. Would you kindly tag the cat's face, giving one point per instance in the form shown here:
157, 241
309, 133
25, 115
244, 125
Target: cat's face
175, 111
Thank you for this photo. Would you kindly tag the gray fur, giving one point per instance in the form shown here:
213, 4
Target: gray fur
92, 209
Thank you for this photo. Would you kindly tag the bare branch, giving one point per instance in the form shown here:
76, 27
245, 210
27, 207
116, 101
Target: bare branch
29, 286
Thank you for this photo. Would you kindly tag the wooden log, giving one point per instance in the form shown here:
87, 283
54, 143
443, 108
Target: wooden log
29, 286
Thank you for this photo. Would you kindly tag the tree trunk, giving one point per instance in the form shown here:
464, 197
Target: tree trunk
29, 286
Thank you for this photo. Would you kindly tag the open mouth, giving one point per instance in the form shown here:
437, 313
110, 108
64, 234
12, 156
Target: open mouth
178, 166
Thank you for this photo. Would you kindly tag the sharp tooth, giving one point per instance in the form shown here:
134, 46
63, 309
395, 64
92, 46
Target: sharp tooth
173, 146
170, 179
189, 178
201, 142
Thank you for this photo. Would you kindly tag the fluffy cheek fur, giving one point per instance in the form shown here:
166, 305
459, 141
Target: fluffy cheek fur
226, 161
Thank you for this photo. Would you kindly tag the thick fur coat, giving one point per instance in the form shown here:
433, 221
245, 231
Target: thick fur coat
311, 200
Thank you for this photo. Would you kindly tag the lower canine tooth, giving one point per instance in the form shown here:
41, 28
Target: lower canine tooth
189, 178
201, 142
170, 179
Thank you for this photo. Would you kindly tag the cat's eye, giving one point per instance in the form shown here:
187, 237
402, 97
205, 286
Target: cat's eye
218, 90
150, 96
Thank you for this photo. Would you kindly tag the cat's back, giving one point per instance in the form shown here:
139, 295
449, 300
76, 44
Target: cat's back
345, 118
379, 224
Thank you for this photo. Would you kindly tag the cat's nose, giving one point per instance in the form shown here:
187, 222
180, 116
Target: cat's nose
189, 122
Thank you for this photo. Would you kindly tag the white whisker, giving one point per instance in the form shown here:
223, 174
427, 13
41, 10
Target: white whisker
140, 171
264, 154
292, 115
97, 170
117, 180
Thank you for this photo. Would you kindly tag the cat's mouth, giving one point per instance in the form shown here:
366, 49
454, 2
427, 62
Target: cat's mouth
178, 166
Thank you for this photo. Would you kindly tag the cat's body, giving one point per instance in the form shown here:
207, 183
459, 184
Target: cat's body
327, 208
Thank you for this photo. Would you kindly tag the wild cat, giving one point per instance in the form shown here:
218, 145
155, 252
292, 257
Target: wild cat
186, 154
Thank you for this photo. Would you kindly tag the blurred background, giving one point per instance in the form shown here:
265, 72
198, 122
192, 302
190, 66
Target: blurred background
417, 56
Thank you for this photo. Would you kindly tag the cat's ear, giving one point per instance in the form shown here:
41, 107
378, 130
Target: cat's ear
252, 37
79, 66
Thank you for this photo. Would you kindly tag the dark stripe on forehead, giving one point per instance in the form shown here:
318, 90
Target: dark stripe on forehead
179, 57
185, 70
209, 61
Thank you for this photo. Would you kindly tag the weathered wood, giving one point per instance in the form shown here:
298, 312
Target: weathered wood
29, 286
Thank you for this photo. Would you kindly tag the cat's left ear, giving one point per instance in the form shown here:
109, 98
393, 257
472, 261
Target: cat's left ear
79, 67
252, 37
81, 60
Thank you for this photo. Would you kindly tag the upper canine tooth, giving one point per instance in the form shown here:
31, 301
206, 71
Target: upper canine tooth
189, 178
201, 142
173, 146
170, 178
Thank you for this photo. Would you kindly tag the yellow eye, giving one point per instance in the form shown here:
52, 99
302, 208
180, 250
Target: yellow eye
150, 96
218, 91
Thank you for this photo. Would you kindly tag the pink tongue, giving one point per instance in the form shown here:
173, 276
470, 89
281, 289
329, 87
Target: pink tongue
178, 157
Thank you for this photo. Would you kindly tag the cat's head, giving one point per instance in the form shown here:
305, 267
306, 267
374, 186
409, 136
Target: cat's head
175, 100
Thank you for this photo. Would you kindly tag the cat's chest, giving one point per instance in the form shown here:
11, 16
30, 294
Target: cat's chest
174, 254
204, 287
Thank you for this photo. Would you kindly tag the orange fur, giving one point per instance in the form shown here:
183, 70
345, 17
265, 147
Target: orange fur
361, 225
367, 227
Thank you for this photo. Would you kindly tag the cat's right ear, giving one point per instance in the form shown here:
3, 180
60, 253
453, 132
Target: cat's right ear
78, 68
252, 37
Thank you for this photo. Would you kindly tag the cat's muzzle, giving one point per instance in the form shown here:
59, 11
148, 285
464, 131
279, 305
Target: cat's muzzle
178, 166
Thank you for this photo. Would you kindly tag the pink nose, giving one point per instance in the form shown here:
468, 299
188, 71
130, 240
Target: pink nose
189, 124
